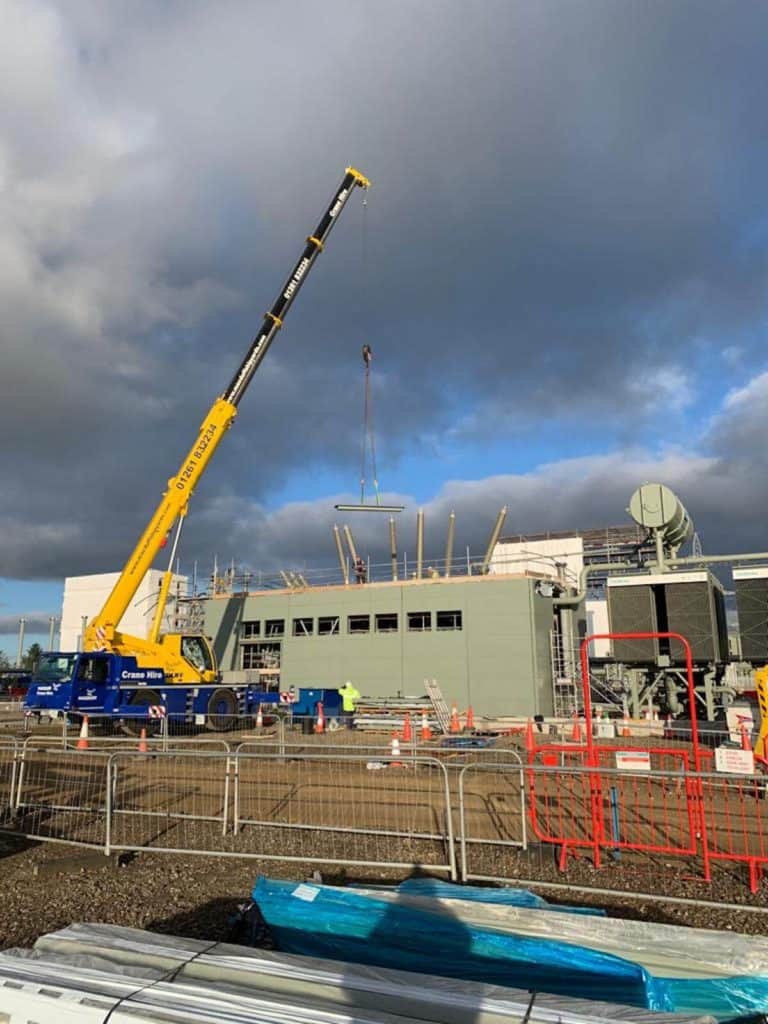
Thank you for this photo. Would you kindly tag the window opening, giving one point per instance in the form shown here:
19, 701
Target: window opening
303, 627
449, 620
359, 624
386, 622
419, 622
328, 625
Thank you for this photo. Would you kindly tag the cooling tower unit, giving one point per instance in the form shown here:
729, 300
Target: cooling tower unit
689, 603
751, 586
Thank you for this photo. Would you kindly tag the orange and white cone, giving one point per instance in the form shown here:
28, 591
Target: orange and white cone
259, 718
576, 730
625, 724
470, 718
143, 748
407, 731
320, 723
455, 725
82, 743
529, 740
426, 732
394, 750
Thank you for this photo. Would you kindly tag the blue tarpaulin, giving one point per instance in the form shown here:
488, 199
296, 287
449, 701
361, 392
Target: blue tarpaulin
506, 896
340, 924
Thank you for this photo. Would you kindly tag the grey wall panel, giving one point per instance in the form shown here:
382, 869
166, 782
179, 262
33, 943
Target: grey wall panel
632, 609
691, 612
752, 605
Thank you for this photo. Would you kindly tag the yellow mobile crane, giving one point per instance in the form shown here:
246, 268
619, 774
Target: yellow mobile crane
113, 663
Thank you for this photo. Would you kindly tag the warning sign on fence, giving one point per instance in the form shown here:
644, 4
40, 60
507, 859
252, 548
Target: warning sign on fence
734, 762
739, 718
633, 760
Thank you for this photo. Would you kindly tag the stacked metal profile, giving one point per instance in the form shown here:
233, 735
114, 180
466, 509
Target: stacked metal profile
92, 973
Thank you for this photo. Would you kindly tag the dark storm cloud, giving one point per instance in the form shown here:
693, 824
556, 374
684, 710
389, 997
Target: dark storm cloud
568, 207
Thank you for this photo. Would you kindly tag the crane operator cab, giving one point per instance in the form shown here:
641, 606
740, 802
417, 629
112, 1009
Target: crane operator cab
197, 651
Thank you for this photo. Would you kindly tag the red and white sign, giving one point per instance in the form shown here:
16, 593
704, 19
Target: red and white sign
738, 717
633, 760
734, 762
156, 711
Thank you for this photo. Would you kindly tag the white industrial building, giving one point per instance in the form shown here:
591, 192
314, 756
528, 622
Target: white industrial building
84, 597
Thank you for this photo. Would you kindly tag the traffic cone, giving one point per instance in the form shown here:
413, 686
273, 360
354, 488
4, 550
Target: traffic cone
407, 731
470, 719
259, 718
143, 748
625, 724
82, 743
745, 738
455, 725
426, 732
576, 730
529, 740
655, 715
320, 723
394, 751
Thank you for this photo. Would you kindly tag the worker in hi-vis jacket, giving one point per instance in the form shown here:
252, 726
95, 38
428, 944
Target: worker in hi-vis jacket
349, 698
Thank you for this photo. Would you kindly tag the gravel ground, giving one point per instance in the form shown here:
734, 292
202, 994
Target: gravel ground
48, 886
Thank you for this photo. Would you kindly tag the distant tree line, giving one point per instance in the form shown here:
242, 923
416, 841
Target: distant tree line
28, 662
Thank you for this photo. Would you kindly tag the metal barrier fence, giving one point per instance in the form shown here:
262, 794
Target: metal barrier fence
472, 814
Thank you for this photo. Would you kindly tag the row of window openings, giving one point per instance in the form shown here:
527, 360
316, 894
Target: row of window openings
330, 625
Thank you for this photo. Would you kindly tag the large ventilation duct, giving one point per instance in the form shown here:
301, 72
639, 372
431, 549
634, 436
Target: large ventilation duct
657, 508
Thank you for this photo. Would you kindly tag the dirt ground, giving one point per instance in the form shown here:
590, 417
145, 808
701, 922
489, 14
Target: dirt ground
48, 886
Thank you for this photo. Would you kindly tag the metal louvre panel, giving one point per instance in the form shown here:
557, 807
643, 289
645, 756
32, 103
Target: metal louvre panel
691, 612
633, 610
752, 605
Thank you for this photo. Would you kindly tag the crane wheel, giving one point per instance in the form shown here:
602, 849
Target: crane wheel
222, 710
133, 726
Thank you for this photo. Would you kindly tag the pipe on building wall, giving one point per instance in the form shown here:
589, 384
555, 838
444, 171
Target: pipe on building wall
340, 554
393, 546
351, 544
419, 543
492, 540
449, 543
51, 631
572, 600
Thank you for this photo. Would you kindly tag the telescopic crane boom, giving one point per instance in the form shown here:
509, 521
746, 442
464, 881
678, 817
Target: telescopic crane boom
170, 652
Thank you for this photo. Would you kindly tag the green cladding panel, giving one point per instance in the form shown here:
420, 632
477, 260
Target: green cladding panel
485, 640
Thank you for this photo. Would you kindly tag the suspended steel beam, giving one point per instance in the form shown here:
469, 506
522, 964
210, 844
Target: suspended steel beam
369, 508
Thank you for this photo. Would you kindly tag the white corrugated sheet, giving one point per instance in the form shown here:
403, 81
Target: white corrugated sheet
92, 973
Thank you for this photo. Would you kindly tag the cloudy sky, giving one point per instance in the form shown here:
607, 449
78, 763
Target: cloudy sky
561, 268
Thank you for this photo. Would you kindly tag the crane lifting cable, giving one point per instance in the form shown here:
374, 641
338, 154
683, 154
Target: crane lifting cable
368, 449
